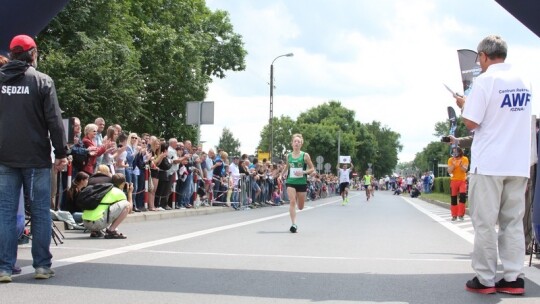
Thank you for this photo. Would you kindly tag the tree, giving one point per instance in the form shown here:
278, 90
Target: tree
137, 62
437, 152
388, 148
284, 127
321, 127
442, 128
228, 143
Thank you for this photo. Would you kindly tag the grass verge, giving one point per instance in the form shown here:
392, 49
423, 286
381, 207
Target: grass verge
445, 198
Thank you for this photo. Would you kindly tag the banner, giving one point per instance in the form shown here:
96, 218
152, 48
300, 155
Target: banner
344, 159
469, 69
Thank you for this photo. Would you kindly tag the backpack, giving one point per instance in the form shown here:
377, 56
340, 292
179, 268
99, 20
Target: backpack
90, 197
79, 161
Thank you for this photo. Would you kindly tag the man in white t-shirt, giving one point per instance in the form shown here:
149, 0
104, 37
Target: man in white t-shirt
209, 174
172, 155
344, 180
409, 183
235, 175
498, 109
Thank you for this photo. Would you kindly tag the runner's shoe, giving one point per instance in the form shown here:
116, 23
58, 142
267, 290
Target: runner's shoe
474, 285
516, 287
293, 228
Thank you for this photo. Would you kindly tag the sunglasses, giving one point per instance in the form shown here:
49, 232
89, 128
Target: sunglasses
133, 137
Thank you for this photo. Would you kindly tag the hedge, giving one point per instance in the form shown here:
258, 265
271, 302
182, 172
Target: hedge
442, 185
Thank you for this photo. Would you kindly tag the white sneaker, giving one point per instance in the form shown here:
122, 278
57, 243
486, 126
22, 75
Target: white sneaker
160, 209
43, 273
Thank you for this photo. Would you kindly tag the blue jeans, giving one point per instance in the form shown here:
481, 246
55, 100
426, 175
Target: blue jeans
139, 199
132, 178
187, 192
37, 192
234, 197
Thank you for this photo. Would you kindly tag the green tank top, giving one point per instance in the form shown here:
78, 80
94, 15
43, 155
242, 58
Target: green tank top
367, 179
296, 164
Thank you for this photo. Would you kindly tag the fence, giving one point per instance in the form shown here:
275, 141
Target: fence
242, 192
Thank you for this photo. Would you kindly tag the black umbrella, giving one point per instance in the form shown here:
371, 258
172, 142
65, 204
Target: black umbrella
526, 11
27, 17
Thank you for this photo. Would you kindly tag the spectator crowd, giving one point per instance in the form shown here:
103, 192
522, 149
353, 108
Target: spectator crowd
166, 174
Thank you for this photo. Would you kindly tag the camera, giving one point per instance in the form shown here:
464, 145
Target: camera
445, 139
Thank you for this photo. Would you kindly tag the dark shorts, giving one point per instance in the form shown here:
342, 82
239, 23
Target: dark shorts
342, 187
298, 188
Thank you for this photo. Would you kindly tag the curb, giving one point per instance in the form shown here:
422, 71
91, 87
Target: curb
440, 204
168, 214
435, 202
137, 217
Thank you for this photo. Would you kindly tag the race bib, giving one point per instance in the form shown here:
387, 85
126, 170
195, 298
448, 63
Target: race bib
292, 173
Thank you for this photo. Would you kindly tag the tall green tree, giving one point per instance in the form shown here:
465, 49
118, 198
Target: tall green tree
137, 62
442, 128
437, 152
330, 127
284, 127
228, 143
321, 127
388, 147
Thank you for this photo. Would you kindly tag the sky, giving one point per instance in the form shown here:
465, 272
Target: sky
386, 60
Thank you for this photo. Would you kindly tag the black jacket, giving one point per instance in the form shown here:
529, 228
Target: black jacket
29, 114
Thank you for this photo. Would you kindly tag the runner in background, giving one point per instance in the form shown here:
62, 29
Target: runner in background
344, 180
366, 180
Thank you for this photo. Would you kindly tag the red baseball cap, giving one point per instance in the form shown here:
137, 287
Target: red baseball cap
21, 43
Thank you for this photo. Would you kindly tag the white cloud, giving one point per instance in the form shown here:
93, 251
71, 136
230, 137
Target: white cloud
386, 61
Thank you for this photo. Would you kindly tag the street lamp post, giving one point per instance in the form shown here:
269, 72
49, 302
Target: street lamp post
272, 103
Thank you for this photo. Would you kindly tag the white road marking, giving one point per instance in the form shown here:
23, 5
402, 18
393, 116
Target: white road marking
459, 231
303, 256
111, 252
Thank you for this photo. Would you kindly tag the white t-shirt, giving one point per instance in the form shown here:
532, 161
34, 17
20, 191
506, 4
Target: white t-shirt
344, 175
209, 171
123, 157
235, 173
172, 155
500, 103
409, 180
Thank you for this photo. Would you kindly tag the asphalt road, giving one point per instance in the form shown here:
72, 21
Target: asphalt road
391, 249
